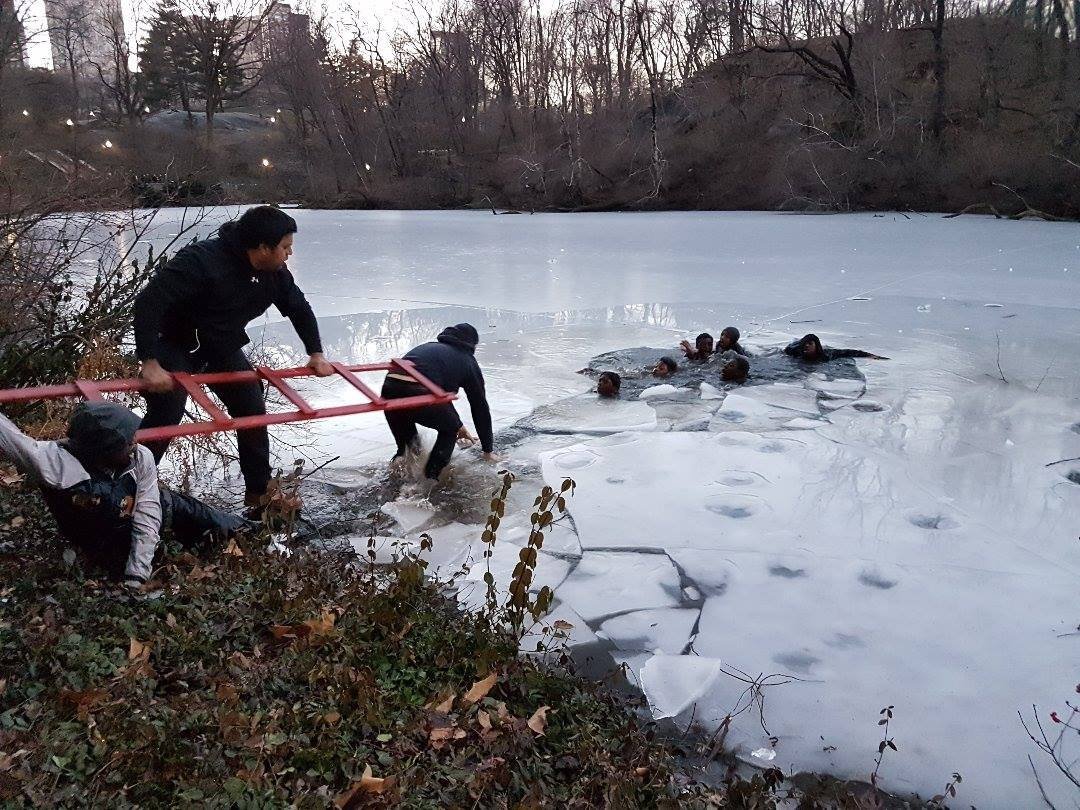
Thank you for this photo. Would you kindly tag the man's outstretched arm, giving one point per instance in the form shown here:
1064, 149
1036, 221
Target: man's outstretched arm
294, 305
45, 462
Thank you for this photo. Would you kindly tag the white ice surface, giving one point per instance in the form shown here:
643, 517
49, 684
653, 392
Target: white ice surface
913, 550
665, 630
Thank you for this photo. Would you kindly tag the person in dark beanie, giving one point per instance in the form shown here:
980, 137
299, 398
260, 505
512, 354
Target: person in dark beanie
103, 491
448, 362
193, 314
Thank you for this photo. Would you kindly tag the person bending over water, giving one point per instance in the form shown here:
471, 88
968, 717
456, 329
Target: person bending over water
665, 367
449, 363
608, 385
701, 350
809, 349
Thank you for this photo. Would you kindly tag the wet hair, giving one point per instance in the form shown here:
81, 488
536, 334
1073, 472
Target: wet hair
611, 376
261, 225
812, 338
701, 337
731, 332
743, 365
672, 366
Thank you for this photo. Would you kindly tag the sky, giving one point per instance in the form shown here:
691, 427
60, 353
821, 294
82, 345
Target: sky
39, 54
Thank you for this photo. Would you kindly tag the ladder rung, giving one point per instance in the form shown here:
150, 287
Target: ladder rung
289, 392
357, 383
196, 392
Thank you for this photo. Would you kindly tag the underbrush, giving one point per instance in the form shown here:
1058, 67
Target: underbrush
307, 680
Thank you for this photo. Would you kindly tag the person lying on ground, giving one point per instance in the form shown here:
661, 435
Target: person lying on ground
736, 367
809, 349
665, 367
608, 385
103, 491
701, 350
449, 362
729, 341
193, 314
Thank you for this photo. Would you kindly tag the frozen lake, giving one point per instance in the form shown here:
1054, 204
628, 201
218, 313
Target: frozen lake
899, 541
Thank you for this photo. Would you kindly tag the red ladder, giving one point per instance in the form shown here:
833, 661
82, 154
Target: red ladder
221, 421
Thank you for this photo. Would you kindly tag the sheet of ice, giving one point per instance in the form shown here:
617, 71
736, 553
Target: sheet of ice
410, 513
666, 391
674, 682
742, 413
606, 583
666, 630
590, 414
783, 395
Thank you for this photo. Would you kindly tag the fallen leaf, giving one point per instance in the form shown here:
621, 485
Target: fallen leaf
10, 476
484, 719
446, 706
641, 771
198, 573
500, 710
16, 522
138, 651
538, 722
3, 686
438, 737
226, 692
170, 620
234, 549
322, 625
83, 700
283, 631
367, 784
559, 624
479, 690
330, 718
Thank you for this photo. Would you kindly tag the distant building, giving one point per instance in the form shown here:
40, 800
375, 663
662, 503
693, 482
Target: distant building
278, 34
84, 32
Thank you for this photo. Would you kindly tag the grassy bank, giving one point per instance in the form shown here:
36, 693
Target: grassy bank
257, 680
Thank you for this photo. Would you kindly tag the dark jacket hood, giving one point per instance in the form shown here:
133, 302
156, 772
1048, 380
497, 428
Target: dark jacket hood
99, 429
463, 336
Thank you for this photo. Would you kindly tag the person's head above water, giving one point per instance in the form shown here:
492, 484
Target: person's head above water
735, 370
704, 345
608, 384
463, 336
665, 367
102, 434
729, 338
810, 348
265, 233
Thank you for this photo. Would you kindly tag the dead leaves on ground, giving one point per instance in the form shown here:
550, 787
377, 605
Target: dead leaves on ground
308, 630
368, 785
138, 665
444, 728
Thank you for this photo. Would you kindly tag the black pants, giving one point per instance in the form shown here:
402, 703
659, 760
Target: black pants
442, 418
245, 399
196, 526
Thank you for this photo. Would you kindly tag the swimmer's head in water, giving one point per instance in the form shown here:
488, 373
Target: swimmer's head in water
811, 348
729, 338
665, 367
608, 384
735, 370
703, 343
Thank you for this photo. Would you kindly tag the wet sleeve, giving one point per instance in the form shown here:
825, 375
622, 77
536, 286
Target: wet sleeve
836, 354
478, 404
293, 305
145, 518
44, 462
178, 283
794, 348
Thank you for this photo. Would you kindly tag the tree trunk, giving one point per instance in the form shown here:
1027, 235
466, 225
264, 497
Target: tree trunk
938, 121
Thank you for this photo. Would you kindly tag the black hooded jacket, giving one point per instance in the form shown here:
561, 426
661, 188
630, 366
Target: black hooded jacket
824, 353
208, 293
449, 363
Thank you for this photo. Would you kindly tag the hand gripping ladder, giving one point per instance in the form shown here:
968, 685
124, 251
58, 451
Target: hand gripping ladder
220, 421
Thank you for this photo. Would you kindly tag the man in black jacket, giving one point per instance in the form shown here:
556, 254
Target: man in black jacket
449, 363
193, 314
